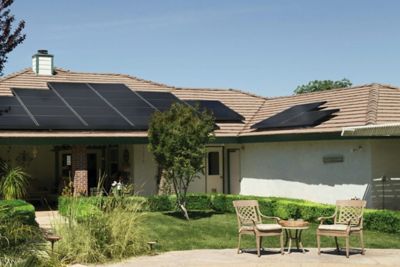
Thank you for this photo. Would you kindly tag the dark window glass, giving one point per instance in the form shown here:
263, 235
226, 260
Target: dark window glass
213, 163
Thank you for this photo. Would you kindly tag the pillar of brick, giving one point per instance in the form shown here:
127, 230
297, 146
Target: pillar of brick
79, 169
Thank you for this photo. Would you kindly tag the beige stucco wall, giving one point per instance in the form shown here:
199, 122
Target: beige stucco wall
297, 170
41, 168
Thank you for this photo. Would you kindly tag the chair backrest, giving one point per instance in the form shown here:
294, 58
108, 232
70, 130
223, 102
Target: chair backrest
349, 210
246, 212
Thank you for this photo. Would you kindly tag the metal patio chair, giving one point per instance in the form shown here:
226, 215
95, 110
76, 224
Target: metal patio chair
347, 220
249, 220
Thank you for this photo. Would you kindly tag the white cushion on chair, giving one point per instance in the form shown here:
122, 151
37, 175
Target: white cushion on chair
332, 227
268, 227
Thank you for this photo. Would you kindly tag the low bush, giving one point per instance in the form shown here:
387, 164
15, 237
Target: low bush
285, 208
17, 210
382, 220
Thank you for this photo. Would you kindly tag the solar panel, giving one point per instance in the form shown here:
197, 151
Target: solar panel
305, 115
91, 108
48, 110
221, 112
13, 116
160, 100
128, 103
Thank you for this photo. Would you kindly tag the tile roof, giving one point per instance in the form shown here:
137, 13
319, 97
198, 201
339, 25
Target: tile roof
359, 105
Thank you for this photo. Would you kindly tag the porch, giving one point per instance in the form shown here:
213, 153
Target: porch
51, 166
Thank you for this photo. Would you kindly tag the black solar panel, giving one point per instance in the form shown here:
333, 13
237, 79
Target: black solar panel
128, 103
221, 112
48, 110
96, 113
13, 116
160, 100
306, 115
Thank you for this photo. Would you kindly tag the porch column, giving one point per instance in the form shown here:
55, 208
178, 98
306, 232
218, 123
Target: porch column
79, 169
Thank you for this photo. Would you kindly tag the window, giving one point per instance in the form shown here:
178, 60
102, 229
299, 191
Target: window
213, 163
66, 165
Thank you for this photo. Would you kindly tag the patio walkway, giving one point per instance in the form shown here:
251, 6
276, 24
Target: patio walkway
228, 257
45, 218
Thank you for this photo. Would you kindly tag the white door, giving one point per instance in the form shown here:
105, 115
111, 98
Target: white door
234, 171
214, 170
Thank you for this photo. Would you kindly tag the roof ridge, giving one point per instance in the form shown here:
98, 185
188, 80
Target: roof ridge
249, 93
338, 89
115, 74
252, 117
372, 105
165, 85
14, 74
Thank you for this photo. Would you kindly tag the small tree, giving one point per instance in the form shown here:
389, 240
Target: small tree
322, 85
9, 38
178, 138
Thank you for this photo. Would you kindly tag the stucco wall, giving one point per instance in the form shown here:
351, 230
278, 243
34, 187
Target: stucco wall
41, 168
297, 170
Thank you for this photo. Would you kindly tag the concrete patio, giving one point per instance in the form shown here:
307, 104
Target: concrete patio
228, 257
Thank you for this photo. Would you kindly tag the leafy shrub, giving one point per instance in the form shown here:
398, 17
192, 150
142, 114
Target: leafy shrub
160, 203
382, 220
17, 210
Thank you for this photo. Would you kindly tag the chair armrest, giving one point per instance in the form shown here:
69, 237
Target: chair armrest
277, 219
322, 219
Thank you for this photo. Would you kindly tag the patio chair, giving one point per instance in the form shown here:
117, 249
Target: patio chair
347, 220
249, 220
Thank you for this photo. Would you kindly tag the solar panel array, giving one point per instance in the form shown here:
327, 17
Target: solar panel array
221, 112
306, 115
91, 106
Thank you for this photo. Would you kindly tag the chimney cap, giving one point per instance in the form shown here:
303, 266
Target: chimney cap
43, 51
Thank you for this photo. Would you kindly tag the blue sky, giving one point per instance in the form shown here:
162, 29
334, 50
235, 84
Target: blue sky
265, 47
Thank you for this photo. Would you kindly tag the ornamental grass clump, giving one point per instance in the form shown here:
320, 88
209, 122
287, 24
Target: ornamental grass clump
104, 232
13, 181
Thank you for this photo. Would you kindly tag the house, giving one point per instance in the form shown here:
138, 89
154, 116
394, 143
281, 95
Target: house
321, 146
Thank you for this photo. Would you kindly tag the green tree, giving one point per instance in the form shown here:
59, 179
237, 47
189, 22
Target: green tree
9, 37
322, 85
178, 138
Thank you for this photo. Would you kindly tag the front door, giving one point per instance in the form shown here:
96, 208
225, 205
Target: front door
214, 170
234, 171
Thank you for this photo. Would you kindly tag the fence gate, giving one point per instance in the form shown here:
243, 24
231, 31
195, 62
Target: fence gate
386, 193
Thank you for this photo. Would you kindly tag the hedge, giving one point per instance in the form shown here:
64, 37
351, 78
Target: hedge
17, 210
379, 220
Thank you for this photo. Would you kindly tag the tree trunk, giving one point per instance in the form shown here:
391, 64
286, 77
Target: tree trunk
184, 211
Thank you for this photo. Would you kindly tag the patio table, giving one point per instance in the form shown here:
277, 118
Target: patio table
293, 233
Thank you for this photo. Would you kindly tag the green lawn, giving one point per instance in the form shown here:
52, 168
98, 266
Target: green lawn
215, 231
